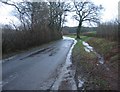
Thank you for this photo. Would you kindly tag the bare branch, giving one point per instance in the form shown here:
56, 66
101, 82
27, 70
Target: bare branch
12, 5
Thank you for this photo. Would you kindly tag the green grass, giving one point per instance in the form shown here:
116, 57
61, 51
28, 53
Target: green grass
79, 47
104, 47
80, 54
90, 34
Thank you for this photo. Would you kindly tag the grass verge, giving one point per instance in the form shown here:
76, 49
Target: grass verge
88, 68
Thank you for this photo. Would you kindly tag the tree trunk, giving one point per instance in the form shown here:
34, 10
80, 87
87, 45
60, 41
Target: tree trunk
78, 30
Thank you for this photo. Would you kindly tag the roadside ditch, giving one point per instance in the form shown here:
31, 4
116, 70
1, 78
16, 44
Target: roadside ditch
94, 70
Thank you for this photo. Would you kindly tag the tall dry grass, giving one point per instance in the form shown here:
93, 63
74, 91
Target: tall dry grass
109, 31
20, 40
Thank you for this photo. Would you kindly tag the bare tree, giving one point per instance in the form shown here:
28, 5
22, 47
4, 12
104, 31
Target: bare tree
86, 11
57, 14
32, 14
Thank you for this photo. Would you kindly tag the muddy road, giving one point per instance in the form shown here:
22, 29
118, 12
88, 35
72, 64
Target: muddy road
37, 69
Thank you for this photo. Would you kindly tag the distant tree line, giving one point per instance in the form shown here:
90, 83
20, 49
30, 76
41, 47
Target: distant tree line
72, 30
41, 22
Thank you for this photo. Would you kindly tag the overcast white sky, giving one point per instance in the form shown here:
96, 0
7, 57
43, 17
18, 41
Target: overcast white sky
110, 12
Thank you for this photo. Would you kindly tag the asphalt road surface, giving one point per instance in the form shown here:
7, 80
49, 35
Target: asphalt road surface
35, 69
